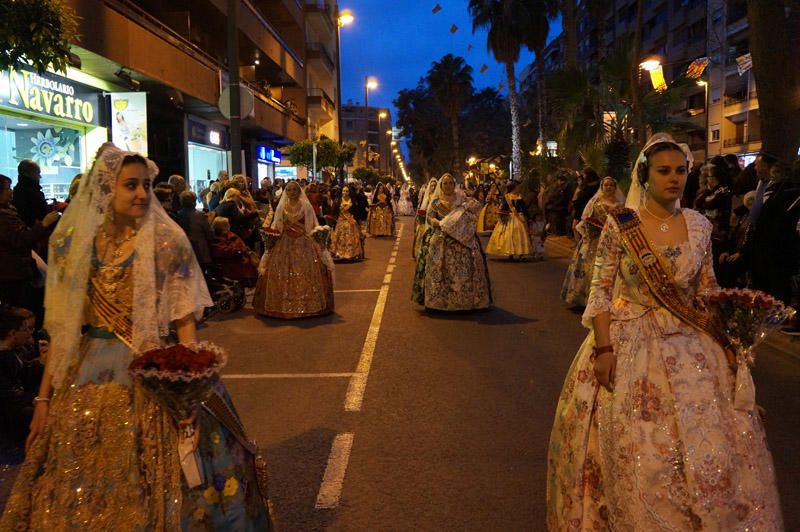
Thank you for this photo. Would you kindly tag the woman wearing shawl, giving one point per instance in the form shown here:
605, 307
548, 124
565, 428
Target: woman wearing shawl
101, 455
575, 289
380, 221
296, 278
646, 435
510, 236
490, 212
346, 241
420, 222
404, 206
453, 275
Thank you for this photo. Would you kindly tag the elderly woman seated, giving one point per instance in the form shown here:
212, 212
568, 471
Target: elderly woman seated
230, 253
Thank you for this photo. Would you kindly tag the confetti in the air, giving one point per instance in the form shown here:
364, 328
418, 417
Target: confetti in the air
436, 9
453, 28
484, 68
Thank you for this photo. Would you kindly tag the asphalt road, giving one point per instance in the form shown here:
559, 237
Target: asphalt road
382, 417
456, 414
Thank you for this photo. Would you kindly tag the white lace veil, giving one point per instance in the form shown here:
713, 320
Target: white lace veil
310, 217
427, 196
460, 195
619, 197
637, 194
167, 282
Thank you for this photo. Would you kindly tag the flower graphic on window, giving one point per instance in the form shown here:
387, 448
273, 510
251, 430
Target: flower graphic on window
45, 149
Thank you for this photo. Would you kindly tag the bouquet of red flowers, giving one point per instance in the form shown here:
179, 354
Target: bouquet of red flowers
270, 237
746, 317
180, 379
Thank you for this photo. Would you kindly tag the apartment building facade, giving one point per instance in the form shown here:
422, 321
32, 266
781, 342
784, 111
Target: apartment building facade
152, 76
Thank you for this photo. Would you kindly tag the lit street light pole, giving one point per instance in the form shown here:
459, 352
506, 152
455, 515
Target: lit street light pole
345, 18
369, 83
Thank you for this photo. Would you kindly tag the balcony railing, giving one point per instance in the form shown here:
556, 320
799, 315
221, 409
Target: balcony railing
739, 97
325, 101
741, 140
316, 50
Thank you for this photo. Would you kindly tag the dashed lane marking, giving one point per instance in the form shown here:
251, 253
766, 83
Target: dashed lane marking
356, 291
333, 480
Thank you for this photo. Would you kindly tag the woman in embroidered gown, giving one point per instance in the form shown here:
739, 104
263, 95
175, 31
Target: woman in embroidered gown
101, 455
420, 222
404, 206
510, 236
346, 242
575, 289
490, 213
296, 275
453, 276
646, 436
380, 221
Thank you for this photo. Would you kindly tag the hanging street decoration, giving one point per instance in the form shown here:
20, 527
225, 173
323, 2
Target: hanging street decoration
697, 67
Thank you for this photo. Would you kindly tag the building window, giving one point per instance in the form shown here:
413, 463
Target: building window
714, 134
348, 125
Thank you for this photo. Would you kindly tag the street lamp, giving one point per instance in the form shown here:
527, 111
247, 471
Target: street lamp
651, 63
370, 83
346, 17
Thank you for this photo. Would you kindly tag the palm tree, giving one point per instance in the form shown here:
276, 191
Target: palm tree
450, 81
512, 24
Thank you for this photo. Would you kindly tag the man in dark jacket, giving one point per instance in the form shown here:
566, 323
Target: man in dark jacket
17, 267
197, 228
589, 187
28, 196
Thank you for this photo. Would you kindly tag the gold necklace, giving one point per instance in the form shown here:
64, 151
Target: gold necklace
117, 253
664, 227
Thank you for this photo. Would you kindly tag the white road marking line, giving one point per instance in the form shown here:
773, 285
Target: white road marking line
390, 268
287, 375
392, 260
394, 253
333, 480
358, 382
387, 279
356, 291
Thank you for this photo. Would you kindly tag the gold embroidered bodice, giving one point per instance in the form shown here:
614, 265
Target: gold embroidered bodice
116, 282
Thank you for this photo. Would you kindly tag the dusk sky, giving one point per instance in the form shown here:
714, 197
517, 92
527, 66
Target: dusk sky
396, 42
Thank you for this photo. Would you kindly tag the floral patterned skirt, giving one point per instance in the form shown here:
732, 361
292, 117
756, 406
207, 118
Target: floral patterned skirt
510, 237
575, 289
107, 460
666, 450
380, 221
456, 276
346, 241
296, 282
418, 288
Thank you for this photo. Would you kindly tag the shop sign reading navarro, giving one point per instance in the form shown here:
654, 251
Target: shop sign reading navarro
49, 94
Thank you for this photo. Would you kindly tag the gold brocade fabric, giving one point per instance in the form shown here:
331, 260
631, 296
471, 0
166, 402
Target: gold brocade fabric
117, 285
107, 458
296, 282
346, 237
380, 221
104, 462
